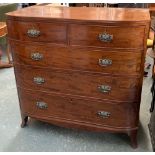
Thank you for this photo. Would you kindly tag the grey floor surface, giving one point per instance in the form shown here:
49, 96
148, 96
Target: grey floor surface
39, 136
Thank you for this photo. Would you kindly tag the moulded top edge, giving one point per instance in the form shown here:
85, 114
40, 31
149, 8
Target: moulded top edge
83, 13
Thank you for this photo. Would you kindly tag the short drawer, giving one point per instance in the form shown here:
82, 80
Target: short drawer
107, 36
78, 83
104, 61
35, 31
43, 105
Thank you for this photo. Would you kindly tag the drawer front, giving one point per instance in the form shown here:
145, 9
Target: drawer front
113, 62
35, 31
44, 105
78, 83
108, 36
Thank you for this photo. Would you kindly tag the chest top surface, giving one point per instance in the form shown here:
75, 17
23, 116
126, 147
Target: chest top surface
82, 13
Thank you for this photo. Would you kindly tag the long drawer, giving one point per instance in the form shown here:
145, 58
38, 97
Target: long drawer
78, 83
107, 36
104, 61
43, 105
36, 31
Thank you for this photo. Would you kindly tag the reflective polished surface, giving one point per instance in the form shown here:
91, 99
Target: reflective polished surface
84, 13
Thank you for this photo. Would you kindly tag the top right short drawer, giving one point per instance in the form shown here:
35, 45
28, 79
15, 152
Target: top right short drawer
107, 36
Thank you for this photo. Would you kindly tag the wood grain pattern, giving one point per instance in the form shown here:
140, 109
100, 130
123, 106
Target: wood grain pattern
67, 123
87, 35
49, 32
71, 51
123, 62
3, 29
102, 15
68, 108
78, 83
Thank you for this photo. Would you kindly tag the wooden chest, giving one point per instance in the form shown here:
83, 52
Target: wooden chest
80, 67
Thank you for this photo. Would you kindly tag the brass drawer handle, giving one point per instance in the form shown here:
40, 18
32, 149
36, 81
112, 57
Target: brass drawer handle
105, 37
36, 56
41, 105
104, 88
104, 114
38, 80
33, 33
105, 62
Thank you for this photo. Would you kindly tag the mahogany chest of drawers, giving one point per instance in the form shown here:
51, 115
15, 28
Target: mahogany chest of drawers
80, 67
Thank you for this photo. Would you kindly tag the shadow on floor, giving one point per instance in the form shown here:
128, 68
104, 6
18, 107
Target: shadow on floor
40, 136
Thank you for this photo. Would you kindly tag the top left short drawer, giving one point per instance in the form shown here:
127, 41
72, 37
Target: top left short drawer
37, 31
